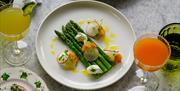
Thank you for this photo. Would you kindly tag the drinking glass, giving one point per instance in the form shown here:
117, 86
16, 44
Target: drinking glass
151, 53
14, 26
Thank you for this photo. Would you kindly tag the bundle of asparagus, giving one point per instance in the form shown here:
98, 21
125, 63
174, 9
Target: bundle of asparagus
68, 35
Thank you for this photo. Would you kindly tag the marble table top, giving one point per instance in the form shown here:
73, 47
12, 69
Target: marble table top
144, 15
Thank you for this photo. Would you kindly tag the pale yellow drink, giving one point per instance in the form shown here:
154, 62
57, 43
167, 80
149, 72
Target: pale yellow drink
13, 24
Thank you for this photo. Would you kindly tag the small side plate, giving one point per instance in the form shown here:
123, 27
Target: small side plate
21, 77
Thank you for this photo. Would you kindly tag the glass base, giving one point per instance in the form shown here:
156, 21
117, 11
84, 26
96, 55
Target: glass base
17, 53
147, 81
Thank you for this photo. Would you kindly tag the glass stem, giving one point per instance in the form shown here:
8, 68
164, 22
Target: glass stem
144, 78
17, 50
142, 75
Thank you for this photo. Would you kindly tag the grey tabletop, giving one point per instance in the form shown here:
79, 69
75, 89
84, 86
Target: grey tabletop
144, 15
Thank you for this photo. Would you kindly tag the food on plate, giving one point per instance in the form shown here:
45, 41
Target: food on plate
16, 87
78, 28
62, 58
94, 69
94, 29
68, 59
171, 33
90, 51
114, 55
81, 37
96, 61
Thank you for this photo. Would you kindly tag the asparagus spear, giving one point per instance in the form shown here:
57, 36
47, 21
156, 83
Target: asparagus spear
71, 28
73, 48
74, 41
71, 38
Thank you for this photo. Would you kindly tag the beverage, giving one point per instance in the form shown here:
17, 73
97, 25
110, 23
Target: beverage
151, 53
13, 24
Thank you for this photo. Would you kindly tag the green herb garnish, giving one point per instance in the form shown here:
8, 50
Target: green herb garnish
38, 84
24, 75
5, 76
93, 70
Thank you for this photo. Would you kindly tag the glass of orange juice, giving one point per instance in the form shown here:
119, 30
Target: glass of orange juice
151, 53
14, 25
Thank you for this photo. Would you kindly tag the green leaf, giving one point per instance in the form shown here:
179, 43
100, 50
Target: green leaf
38, 84
5, 76
24, 75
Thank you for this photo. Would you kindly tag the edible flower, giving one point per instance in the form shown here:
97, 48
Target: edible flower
94, 29
90, 51
114, 55
68, 59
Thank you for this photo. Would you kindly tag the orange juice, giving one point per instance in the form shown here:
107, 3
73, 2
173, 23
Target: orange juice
150, 53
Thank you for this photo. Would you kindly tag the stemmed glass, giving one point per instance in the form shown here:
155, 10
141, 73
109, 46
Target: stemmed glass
151, 53
14, 26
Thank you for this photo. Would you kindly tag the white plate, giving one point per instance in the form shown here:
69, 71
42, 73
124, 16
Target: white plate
27, 80
83, 10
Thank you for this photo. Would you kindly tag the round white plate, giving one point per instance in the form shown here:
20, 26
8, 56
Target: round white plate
21, 77
83, 10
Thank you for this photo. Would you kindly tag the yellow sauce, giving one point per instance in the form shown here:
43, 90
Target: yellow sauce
85, 72
113, 47
107, 41
52, 42
53, 52
112, 35
82, 22
75, 70
105, 27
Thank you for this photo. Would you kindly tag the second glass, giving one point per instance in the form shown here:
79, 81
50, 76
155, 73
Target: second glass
14, 25
151, 53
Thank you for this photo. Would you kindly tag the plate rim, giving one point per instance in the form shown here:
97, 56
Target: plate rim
87, 1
